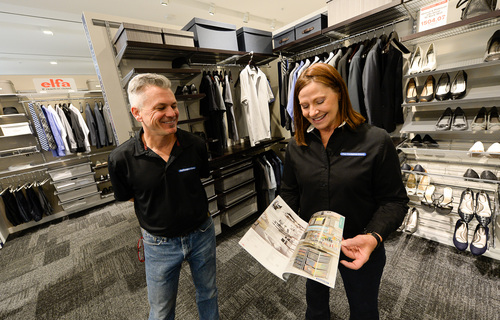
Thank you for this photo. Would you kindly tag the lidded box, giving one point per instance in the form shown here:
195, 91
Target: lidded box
136, 32
212, 34
258, 41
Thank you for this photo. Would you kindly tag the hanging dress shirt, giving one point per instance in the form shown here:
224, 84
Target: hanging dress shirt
109, 129
255, 97
231, 120
56, 129
82, 125
66, 131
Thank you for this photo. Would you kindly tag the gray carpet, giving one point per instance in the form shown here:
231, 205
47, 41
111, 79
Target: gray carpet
86, 267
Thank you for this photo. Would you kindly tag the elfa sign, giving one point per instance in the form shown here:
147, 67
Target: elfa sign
54, 84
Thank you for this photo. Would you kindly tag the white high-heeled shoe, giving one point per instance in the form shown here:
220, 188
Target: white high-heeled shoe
416, 61
429, 62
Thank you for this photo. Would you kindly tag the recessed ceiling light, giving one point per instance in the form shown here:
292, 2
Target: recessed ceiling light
246, 16
273, 24
211, 9
165, 2
53, 62
48, 32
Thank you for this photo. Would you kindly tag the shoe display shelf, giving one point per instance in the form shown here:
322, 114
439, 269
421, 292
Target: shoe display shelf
448, 172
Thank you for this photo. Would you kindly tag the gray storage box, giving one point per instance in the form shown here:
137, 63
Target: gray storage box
213, 35
178, 37
77, 193
284, 37
258, 41
235, 194
310, 26
240, 211
73, 183
234, 179
136, 32
69, 172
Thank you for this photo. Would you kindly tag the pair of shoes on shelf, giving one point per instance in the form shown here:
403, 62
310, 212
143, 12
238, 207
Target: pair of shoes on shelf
479, 243
411, 221
187, 89
417, 168
423, 62
454, 90
452, 120
478, 206
427, 141
442, 203
493, 47
427, 93
478, 147
485, 175
414, 186
486, 120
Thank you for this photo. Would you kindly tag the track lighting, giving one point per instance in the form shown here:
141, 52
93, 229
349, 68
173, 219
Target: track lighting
47, 32
246, 16
211, 9
273, 24
165, 2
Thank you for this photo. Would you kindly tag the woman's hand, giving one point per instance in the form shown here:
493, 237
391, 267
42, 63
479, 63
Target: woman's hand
359, 249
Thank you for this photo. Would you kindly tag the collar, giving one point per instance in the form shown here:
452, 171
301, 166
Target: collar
311, 127
140, 148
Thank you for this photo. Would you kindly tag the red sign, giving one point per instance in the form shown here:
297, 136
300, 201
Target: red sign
54, 84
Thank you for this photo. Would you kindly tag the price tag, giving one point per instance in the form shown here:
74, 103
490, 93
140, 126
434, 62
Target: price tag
433, 15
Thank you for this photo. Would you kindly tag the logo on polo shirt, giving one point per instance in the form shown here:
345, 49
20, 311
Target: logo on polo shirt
187, 169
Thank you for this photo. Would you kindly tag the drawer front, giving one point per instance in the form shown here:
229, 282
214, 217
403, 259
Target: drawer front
236, 179
70, 172
74, 183
80, 203
232, 196
77, 193
240, 211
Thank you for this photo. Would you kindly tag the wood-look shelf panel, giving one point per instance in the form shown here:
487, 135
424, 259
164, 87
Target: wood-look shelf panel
194, 120
189, 97
184, 74
154, 51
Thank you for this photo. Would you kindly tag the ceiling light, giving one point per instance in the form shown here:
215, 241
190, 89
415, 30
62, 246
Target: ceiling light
273, 24
211, 9
53, 62
164, 2
48, 32
246, 17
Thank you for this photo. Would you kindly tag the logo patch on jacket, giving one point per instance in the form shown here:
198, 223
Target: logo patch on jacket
186, 169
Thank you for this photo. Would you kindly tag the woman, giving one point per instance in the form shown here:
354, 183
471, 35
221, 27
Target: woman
339, 162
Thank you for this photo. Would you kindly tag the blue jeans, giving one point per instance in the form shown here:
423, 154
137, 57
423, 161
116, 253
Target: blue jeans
361, 287
164, 257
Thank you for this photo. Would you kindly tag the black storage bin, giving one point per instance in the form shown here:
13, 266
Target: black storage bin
311, 26
258, 41
284, 37
213, 35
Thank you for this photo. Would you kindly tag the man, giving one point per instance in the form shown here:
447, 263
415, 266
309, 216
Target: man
160, 170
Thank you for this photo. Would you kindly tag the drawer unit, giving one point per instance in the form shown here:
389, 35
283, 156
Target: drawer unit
136, 32
212, 34
310, 26
77, 192
75, 182
217, 225
178, 37
233, 179
212, 205
80, 203
284, 37
209, 187
70, 172
234, 194
258, 41
240, 210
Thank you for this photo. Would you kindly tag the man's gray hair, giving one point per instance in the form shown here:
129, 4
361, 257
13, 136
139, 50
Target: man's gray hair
140, 82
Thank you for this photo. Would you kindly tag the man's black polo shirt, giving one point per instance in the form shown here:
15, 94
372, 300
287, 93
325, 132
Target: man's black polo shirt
169, 198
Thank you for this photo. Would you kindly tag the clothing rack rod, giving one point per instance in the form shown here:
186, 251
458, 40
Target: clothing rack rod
350, 37
24, 174
16, 151
61, 99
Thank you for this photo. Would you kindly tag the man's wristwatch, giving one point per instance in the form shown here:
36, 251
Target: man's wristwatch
376, 236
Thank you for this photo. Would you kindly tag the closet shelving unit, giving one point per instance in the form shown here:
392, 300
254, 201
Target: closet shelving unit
447, 163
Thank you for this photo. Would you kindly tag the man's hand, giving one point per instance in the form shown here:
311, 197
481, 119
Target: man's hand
359, 249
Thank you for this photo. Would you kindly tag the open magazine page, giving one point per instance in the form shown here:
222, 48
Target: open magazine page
272, 239
317, 254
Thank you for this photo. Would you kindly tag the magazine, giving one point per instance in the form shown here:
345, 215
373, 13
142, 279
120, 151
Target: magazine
285, 244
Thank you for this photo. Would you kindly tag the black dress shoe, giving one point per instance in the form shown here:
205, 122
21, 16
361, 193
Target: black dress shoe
459, 85
417, 140
428, 90
411, 91
419, 168
444, 122
488, 175
443, 87
406, 167
192, 89
459, 122
470, 173
493, 47
429, 141
181, 90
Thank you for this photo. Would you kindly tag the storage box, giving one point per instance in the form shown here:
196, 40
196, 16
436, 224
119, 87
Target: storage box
69, 172
178, 37
342, 10
234, 194
75, 182
258, 41
212, 205
81, 202
217, 225
284, 37
239, 211
231, 180
213, 35
209, 188
310, 26
7, 88
136, 32
233, 167
77, 192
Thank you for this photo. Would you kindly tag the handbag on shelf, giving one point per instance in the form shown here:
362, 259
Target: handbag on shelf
475, 8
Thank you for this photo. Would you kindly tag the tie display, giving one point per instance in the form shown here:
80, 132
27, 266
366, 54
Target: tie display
39, 130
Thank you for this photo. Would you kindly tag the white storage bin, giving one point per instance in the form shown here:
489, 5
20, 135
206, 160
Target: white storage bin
76, 182
77, 193
209, 188
69, 172
212, 205
234, 179
217, 225
81, 203
231, 196
232, 168
240, 211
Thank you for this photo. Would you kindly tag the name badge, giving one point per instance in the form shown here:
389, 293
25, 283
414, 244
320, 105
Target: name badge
187, 169
353, 154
